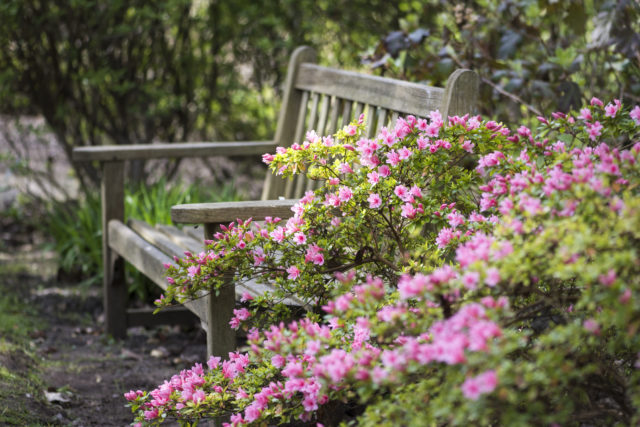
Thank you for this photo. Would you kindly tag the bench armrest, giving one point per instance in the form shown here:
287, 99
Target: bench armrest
171, 150
224, 212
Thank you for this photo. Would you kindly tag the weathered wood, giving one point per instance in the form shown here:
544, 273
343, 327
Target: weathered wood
195, 231
172, 150
292, 97
285, 130
382, 119
394, 117
461, 94
335, 113
167, 316
257, 289
221, 339
181, 238
295, 186
114, 285
225, 212
301, 127
157, 238
402, 96
359, 108
147, 259
371, 121
346, 114
324, 114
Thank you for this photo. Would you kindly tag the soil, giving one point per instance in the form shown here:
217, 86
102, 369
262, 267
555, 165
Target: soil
80, 373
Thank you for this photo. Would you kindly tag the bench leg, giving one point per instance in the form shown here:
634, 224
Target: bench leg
221, 339
115, 296
114, 285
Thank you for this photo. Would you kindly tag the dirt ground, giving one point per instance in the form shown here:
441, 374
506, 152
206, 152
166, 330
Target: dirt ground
77, 375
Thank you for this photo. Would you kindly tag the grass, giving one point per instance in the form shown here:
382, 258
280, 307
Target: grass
21, 388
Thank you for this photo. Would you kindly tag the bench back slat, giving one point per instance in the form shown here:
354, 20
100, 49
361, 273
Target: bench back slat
346, 113
404, 97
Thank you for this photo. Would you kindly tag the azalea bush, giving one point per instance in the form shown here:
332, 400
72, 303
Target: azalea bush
448, 271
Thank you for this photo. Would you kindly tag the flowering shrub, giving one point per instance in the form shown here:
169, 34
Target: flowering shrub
451, 272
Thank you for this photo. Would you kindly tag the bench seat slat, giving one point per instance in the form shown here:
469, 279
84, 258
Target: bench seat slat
181, 238
146, 258
195, 231
156, 238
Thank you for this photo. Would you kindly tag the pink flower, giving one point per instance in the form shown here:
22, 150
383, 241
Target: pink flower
278, 361
594, 130
384, 171
345, 194
252, 412
455, 219
314, 255
293, 272
327, 141
309, 403
198, 396
423, 143
470, 279
609, 278
193, 271
492, 276
293, 369
404, 153
213, 362
373, 177
408, 211
402, 192
611, 109
374, 200
299, 238
345, 168
151, 414
131, 395
236, 420
468, 146
592, 326
596, 102
484, 383
585, 114
393, 158
444, 237
277, 234
415, 191
635, 115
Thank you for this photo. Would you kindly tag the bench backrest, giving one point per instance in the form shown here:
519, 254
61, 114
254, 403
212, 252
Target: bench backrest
326, 99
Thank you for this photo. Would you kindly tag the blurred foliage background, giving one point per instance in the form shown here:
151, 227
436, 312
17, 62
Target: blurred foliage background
133, 71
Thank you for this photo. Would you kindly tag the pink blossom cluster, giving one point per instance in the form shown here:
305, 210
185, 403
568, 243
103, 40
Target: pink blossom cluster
313, 359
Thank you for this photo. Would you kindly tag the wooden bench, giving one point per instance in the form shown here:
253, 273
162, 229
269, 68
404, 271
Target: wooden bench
315, 97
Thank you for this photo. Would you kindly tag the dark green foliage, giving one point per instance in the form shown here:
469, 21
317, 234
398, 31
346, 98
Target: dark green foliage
76, 230
118, 72
534, 56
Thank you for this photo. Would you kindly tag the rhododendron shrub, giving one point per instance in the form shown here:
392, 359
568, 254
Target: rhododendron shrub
453, 272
